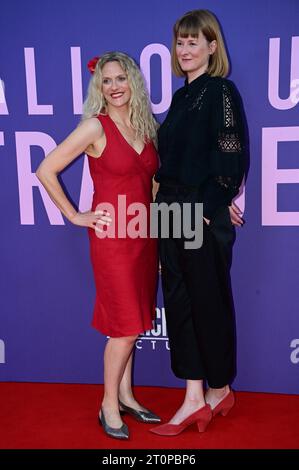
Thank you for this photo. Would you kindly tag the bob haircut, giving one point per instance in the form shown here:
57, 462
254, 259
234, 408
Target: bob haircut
191, 23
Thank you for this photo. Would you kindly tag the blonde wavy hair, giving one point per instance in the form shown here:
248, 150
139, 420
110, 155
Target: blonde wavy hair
140, 113
191, 23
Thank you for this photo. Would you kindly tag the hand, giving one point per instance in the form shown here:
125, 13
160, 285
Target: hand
235, 213
160, 268
91, 219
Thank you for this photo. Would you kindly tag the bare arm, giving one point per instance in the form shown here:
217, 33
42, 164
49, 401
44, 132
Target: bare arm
84, 135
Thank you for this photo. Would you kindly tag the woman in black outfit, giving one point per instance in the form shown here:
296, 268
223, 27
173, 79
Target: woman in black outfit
202, 152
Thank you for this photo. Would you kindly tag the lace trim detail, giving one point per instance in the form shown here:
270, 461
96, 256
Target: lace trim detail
229, 142
227, 106
197, 103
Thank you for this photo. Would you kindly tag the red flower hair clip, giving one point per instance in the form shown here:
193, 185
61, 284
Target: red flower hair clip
92, 64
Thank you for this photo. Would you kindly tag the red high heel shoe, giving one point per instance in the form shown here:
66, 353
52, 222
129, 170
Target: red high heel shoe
225, 405
201, 417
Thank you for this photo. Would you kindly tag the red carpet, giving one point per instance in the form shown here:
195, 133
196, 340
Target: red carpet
58, 416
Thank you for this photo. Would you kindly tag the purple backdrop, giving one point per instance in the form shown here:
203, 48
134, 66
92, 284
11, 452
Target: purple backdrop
47, 289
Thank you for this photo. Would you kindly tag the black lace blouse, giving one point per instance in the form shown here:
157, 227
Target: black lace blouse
202, 141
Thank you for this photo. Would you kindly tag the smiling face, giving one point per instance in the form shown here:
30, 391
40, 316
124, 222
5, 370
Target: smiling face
193, 54
115, 85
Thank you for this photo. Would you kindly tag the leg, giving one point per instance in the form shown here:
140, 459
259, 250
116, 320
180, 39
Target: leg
186, 362
206, 273
194, 400
216, 395
217, 345
184, 352
199, 271
116, 356
185, 356
125, 389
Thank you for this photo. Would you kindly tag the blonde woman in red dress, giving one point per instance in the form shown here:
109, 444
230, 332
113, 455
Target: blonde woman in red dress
117, 132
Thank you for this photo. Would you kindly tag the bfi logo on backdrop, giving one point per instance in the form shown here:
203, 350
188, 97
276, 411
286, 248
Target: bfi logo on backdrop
294, 357
2, 352
155, 339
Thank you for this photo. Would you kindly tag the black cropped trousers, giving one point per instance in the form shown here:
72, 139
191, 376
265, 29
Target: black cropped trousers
198, 297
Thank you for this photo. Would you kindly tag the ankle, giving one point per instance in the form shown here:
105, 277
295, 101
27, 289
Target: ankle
125, 392
110, 406
219, 392
126, 398
194, 402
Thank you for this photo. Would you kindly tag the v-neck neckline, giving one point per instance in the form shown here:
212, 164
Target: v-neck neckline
122, 136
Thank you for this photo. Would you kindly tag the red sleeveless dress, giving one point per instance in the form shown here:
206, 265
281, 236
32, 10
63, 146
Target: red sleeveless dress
125, 269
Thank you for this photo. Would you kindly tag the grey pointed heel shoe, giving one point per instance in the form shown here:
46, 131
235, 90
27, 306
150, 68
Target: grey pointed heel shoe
142, 416
117, 433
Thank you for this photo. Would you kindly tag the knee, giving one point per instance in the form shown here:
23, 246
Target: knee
129, 340
132, 338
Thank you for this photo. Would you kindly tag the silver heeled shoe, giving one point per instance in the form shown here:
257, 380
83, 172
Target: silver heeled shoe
117, 433
142, 416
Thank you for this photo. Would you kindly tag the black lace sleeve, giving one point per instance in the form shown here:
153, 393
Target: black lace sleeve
228, 150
